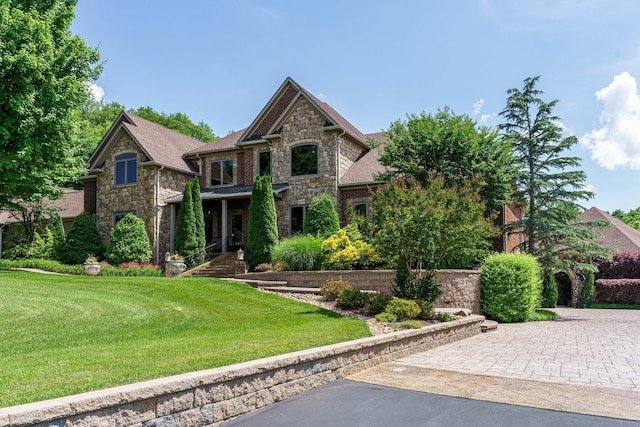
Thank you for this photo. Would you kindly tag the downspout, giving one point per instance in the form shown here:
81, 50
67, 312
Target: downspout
158, 212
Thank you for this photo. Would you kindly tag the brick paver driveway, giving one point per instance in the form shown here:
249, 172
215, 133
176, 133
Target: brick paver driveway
596, 347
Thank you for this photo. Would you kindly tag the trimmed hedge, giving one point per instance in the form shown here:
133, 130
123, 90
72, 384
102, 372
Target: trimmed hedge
618, 291
510, 287
129, 241
624, 265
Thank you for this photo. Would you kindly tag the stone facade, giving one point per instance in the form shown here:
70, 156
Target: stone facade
212, 397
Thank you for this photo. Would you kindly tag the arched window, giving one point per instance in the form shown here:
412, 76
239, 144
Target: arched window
126, 168
304, 160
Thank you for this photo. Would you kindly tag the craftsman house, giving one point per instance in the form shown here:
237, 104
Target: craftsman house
303, 143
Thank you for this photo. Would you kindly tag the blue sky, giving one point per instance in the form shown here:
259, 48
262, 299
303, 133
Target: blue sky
374, 61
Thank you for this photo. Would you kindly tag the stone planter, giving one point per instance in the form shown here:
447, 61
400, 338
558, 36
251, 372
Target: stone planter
176, 267
91, 268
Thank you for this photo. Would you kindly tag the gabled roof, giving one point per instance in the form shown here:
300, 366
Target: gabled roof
367, 166
619, 235
161, 145
228, 142
269, 121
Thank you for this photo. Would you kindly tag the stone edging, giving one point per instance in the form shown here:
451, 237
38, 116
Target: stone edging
211, 397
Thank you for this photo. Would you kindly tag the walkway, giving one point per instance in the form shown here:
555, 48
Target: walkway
581, 370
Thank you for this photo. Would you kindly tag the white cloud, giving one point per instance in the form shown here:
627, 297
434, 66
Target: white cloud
590, 187
477, 107
97, 92
321, 97
617, 142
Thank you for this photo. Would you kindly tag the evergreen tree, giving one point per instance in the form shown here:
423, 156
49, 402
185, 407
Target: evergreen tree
129, 241
548, 184
83, 239
263, 224
198, 214
322, 217
549, 289
57, 229
48, 243
186, 243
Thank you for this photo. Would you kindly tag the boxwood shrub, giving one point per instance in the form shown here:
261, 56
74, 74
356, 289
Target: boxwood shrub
510, 287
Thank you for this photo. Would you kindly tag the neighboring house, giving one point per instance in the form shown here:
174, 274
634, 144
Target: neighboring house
618, 235
69, 206
303, 143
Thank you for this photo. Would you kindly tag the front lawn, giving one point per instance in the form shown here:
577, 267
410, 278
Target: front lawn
62, 335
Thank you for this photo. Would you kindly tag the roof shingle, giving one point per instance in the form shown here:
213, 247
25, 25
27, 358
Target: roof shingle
619, 235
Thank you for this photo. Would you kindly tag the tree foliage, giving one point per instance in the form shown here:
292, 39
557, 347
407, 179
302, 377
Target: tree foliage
631, 218
549, 184
44, 72
454, 148
322, 217
179, 122
198, 215
263, 223
129, 242
419, 226
186, 243
57, 230
83, 239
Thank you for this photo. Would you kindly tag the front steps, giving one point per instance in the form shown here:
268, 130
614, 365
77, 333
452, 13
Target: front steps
224, 265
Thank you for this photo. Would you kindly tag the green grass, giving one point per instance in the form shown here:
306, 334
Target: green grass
62, 335
618, 306
541, 315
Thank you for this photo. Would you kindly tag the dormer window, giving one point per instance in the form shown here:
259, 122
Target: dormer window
304, 160
126, 169
221, 173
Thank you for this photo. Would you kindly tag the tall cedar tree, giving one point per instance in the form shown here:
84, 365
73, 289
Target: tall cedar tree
198, 214
44, 71
548, 184
322, 217
186, 243
57, 229
263, 223
454, 148
83, 239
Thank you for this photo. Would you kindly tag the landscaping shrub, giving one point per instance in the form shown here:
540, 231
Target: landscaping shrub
331, 290
83, 239
299, 253
385, 316
343, 252
406, 286
129, 241
198, 214
549, 289
587, 292
352, 299
403, 309
623, 265
510, 286
322, 217
57, 229
263, 223
377, 304
427, 310
132, 269
618, 291
411, 324
42, 264
444, 317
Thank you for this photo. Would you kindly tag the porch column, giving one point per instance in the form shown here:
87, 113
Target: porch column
223, 248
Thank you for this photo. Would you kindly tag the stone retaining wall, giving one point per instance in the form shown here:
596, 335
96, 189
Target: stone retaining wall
460, 288
211, 397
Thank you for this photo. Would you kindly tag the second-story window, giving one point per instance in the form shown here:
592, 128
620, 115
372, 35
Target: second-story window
221, 172
304, 160
264, 163
126, 169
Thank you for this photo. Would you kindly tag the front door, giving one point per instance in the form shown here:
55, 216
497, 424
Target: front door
236, 234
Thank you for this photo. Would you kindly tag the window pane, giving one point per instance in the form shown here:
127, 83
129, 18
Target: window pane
360, 209
131, 171
227, 176
215, 173
297, 219
120, 171
304, 160
264, 163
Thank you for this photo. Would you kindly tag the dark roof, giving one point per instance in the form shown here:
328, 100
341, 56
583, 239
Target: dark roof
619, 235
71, 204
225, 143
161, 145
367, 166
229, 192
